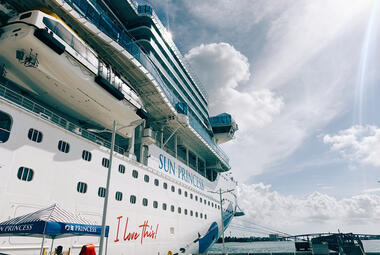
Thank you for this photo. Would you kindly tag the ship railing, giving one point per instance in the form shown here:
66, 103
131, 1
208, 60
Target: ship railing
52, 117
146, 9
97, 16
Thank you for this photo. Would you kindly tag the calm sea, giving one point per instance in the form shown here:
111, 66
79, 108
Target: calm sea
369, 246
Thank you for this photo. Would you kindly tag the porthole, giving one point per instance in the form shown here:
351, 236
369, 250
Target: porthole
165, 185
145, 202
105, 162
82, 187
135, 174
25, 174
155, 204
86, 155
5, 126
63, 146
164, 206
35, 135
101, 192
156, 182
172, 208
132, 199
179, 191
173, 188
146, 178
118, 196
121, 169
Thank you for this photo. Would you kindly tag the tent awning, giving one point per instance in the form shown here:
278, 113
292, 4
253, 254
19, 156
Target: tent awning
52, 222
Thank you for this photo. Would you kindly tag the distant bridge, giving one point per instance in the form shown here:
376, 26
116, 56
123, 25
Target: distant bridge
312, 235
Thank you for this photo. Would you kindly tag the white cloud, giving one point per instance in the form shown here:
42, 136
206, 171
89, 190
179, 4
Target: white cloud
316, 211
221, 67
358, 143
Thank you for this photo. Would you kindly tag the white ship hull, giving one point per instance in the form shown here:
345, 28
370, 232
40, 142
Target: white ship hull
56, 175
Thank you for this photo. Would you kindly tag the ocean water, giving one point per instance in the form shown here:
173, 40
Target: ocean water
288, 246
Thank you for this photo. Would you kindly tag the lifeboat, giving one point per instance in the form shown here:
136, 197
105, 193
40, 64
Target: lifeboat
43, 55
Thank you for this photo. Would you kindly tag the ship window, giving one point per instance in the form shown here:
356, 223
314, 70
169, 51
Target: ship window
35, 135
118, 196
173, 188
164, 206
82, 187
101, 192
5, 126
201, 215
205, 216
121, 169
196, 214
218, 206
25, 15
205, 201
145, 202
191, 212
179, 191
105, 162
63, 146
196, 198
191, 195
86, 155
146, 178
156, 182
179, 210
25, 174
185, 211
132, 199
172, 208
165, 185
200, 200
185, 193
155, 204
208, 203
212, 204
135, 174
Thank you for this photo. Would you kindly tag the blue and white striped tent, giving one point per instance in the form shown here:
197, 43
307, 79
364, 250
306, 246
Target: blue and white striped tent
52, 222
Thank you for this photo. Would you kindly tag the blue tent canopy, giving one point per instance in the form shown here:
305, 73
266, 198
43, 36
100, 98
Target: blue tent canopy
52, 222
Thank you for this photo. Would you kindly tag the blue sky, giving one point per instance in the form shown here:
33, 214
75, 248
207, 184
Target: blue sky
301, 79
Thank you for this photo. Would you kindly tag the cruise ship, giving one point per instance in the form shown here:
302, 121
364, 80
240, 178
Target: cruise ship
74, 74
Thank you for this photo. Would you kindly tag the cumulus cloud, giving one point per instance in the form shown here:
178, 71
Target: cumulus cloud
318, 211
357, 143
222, 68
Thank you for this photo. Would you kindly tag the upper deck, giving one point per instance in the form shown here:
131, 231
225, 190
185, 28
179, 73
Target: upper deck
155, 69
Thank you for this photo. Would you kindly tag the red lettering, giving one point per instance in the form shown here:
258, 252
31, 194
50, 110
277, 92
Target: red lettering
131, 235
117, 232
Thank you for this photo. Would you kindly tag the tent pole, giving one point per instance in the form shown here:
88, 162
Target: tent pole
42, 244
51, 248
106, 246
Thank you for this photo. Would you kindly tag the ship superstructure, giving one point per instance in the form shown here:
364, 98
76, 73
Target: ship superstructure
69, 68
